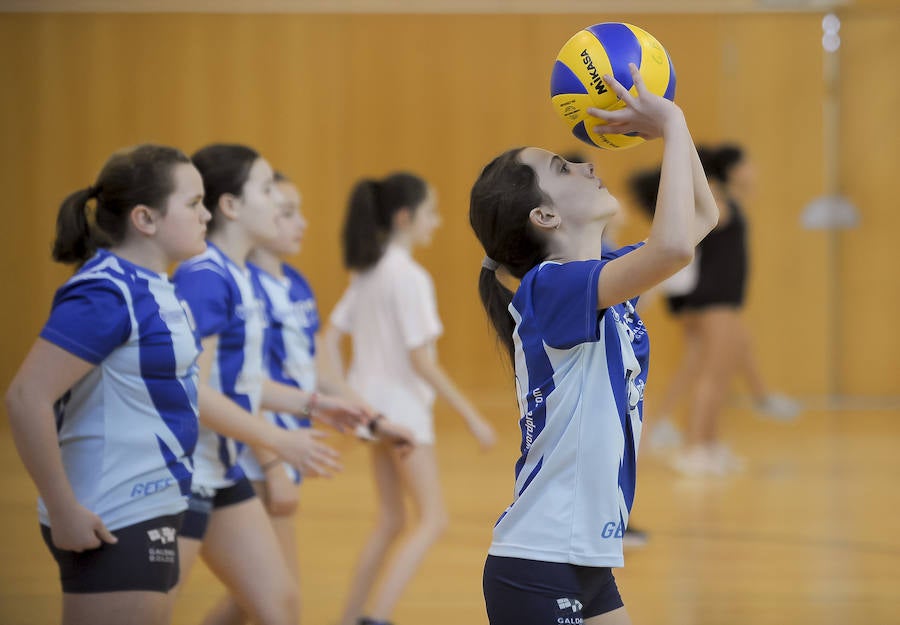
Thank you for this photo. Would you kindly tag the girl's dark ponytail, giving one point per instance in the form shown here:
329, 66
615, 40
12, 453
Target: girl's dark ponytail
499, 212
370, 216
496, 299
74, 243
364, 233
133, 176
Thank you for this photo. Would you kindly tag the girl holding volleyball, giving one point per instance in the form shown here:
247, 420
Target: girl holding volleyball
580, 353
103, 410
390, 312
224, 517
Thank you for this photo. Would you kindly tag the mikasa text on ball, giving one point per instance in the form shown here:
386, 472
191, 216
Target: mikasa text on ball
577, 79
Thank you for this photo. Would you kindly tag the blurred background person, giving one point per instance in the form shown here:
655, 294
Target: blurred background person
708, 298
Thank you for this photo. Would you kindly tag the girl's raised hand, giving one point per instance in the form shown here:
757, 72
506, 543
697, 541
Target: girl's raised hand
647, 114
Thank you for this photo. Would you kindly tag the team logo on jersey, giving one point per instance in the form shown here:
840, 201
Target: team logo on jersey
568, 608
629, 322
306, 312
142, 489
254, 310
613, 529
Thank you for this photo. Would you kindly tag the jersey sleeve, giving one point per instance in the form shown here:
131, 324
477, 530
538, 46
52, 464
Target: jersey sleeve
209, 297
75, 319
565, 299
613, 254
416, 309
342, 315
565, 302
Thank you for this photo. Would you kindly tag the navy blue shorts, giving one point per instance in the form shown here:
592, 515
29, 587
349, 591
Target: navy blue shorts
532, 592
202, 503
145, 558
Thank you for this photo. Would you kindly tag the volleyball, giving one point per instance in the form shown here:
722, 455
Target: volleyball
576, 82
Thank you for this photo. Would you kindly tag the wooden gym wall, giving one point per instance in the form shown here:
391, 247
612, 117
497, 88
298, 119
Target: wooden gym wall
329, 98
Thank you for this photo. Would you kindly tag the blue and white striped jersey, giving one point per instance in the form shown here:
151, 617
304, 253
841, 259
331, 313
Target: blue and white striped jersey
293, 323
128, 428
290, 348
580, 375
224, 302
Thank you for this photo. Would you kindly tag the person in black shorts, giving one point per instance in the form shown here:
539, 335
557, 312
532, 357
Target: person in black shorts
708, 297
104, 414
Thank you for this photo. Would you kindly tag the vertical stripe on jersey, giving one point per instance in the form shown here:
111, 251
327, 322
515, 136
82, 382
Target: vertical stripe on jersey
236, 358
532, 475
168, 393
618, 375
534, 375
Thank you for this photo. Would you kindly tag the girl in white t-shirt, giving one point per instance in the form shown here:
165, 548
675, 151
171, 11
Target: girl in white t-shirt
390, 312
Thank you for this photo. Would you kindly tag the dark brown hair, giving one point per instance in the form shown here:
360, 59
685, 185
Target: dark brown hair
133, 176
370, 216
499, 207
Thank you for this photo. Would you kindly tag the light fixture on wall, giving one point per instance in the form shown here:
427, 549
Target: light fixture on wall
832, 212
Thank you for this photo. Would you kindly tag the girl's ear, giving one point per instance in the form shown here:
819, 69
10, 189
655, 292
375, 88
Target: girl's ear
144, 218
402, 218
544, 218
228, 206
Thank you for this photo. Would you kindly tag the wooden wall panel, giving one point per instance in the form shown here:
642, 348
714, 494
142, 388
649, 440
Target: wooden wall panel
330, 98
870, 157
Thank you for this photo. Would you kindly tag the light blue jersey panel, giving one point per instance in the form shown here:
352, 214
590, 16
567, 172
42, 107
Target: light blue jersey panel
224, 302
128, 428
290, 349
580, 376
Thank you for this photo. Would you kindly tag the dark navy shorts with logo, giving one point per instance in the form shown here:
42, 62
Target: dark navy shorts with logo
203, 501
532, 592
145, 558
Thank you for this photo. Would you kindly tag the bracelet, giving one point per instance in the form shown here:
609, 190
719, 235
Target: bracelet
373, 424
310, 405
268, 465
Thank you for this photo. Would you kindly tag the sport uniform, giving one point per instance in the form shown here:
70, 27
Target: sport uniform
290, 349
224, 302
580, 375
128, 428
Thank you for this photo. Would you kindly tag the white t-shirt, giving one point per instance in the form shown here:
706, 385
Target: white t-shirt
388, 311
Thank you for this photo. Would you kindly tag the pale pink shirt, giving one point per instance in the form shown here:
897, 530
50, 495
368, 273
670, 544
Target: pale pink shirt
389, 310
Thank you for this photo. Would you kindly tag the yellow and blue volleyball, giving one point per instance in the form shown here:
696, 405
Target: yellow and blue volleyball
576, 82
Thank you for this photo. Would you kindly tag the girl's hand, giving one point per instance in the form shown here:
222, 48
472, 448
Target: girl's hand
339, 413
302, 449
399, 437
647, 114
78, 529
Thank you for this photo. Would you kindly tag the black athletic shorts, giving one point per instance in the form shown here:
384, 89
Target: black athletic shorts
202, 502
145, 558
532, 592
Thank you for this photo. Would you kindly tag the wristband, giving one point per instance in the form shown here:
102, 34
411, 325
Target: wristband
310, 404
373, 424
